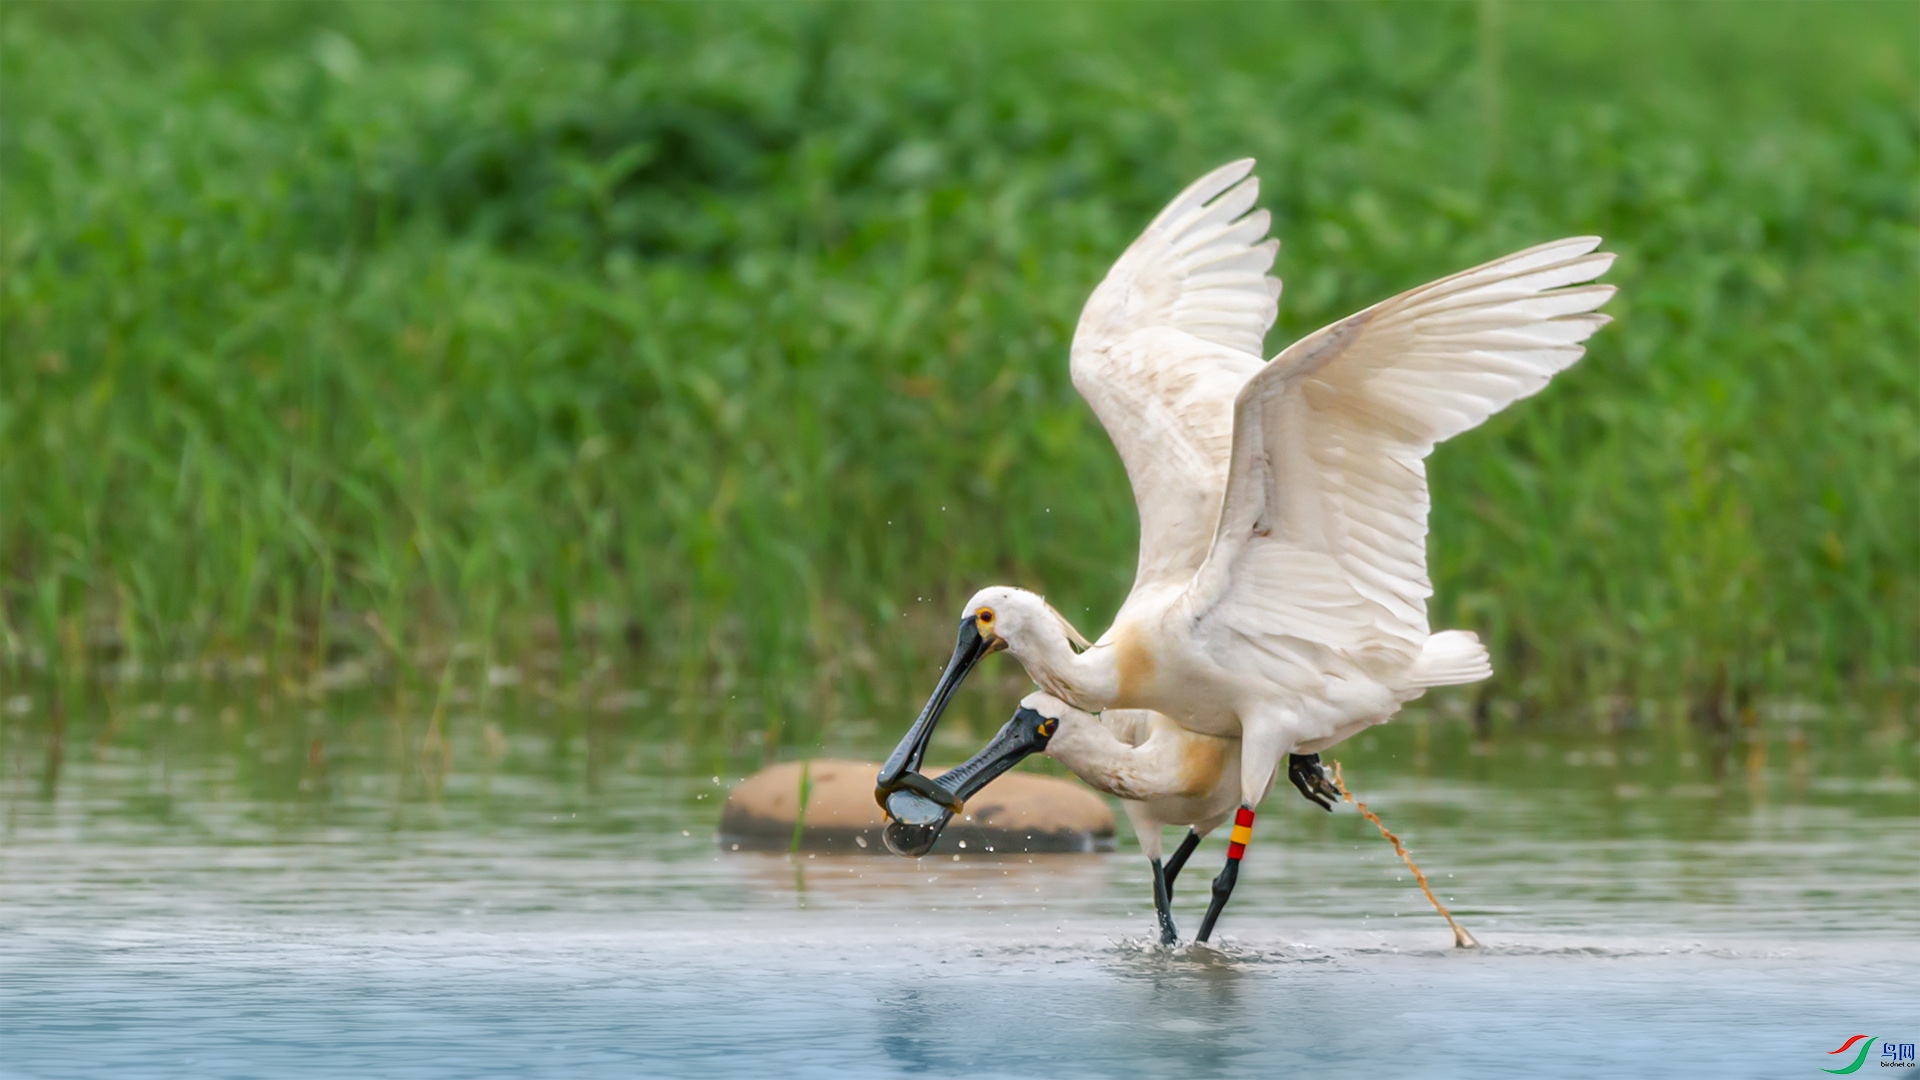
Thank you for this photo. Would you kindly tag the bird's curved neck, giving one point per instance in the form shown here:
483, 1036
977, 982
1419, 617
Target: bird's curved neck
1085, 680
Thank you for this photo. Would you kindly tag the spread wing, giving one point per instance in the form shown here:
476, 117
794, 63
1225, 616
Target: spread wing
1323, 533
1163, 346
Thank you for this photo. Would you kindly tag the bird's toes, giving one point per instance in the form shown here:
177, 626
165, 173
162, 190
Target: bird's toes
1327, 792
1310, 777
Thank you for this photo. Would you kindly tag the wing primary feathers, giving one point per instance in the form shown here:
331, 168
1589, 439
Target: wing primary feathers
1163, 345
1330, 440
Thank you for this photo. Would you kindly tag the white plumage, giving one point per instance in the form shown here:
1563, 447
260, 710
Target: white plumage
1282, 579
1280, 594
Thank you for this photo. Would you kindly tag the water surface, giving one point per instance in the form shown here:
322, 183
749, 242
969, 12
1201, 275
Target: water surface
315, 894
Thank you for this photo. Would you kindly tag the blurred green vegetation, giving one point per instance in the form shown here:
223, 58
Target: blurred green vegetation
722, 349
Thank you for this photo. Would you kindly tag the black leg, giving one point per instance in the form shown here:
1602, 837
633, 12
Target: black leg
1222, 889
1180, 856
1163, 905
1307, 775
1223, 885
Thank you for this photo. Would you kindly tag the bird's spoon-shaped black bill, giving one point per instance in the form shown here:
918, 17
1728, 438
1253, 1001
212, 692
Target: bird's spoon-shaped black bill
903, 765
915, 818
914, 823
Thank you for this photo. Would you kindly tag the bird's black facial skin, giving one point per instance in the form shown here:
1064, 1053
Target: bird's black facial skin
915, 819
902, 770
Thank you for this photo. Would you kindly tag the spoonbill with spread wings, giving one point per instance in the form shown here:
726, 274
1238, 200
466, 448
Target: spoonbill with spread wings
1280, 594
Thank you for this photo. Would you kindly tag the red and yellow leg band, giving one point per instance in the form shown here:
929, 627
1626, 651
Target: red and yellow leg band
1241, 834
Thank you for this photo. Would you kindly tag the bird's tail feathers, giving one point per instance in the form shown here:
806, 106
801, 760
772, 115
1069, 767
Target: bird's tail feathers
1449, 658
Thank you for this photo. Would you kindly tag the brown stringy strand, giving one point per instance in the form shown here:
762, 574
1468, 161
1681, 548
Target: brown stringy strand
1461, 939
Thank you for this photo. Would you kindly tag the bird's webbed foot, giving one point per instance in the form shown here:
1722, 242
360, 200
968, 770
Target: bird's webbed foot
1307, 774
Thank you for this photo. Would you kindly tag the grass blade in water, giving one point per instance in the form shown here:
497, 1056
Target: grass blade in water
1461, 939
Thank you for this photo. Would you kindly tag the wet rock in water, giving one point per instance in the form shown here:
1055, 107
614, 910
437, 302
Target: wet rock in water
1017, 813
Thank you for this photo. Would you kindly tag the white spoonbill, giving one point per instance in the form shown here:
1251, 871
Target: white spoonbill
1280, 594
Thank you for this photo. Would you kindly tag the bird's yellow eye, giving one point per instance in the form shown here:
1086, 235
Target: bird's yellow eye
984, 616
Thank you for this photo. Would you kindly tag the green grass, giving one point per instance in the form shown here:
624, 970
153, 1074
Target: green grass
723, 349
